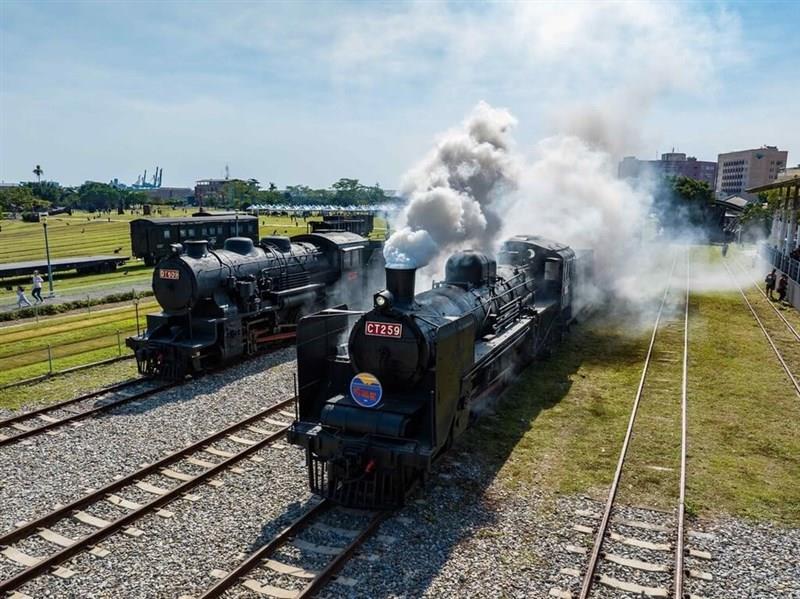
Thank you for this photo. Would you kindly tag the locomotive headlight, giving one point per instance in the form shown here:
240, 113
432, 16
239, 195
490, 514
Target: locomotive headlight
383, 300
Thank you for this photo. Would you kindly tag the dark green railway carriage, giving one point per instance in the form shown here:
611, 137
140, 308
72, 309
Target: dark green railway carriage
151, 237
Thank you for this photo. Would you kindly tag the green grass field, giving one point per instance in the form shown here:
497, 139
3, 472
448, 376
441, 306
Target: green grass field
84, 234
74, 339
561, 425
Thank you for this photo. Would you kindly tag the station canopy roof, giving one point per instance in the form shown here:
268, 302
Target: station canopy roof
322, 208
780, 184
736, 203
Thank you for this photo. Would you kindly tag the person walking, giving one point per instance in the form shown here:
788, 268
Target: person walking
37, 287
21, 299
783, 287
770, 280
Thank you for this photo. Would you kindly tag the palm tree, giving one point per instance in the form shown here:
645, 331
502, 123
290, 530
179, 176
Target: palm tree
38, 171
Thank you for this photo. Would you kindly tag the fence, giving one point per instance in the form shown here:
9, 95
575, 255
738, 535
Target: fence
782, 262
47, 347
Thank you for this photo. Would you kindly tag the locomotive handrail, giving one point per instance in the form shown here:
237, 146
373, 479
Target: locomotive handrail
506, 292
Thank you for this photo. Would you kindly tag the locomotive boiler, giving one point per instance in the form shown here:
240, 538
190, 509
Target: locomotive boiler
375, 412
219, 305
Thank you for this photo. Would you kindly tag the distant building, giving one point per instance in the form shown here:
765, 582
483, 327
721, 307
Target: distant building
169, 194
791, 172
672, 164
745, 169
209, 191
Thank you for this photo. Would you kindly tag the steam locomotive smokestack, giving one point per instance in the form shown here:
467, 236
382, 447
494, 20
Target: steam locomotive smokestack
400, 283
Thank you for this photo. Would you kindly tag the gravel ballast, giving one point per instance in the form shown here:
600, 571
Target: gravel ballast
464, 535
38, 473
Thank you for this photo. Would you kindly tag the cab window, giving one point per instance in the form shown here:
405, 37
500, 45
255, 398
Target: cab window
552, 270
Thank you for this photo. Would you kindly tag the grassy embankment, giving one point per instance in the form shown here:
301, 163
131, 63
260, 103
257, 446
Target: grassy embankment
561, 425
69, 385
75, 339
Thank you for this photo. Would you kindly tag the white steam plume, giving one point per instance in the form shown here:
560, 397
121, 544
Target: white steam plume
453, 191
570, 193
626, 60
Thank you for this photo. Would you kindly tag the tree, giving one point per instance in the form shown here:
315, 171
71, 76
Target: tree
21, 199
49, 191
98, 196
38, 171
238, 193
685, 205
756, 221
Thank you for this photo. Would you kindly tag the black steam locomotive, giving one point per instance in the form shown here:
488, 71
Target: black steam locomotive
219, 305
375, 413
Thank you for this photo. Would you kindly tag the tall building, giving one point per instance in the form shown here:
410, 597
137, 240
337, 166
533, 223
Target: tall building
738, 171
672, 164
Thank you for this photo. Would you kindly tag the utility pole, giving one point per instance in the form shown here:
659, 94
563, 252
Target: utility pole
47, 252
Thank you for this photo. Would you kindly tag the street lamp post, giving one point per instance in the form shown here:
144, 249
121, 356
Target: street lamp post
47, 252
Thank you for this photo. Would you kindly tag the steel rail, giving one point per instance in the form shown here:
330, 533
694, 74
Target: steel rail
49, 408
766, 333
771, 303
330, 570
323, 576
80, 415
594, 557
679, 550
43, 565
90, 498
262, 553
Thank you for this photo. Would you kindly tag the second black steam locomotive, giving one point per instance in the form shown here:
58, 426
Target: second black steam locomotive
219, 305
375, 412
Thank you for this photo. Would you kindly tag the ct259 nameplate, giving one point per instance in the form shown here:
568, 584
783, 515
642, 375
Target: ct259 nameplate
169, 273
383, 329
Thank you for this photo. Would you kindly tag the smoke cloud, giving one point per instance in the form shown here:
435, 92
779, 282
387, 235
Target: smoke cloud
454, 191
564, 186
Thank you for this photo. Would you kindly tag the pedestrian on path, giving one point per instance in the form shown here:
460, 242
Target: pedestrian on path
783, 286
770, 280
21, 299
37, 287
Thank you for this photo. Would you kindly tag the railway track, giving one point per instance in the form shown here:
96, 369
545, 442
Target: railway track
189, 467
789, 327
629, 555
307, 560
51, 417
775, 337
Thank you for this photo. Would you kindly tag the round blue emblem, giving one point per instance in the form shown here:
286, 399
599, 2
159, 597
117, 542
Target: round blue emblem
366, 390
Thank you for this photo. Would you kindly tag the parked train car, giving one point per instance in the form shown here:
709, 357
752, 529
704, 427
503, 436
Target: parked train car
375, 412
360, 224
220, 305
152, 238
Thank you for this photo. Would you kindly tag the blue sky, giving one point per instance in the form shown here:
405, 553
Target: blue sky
305, 93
